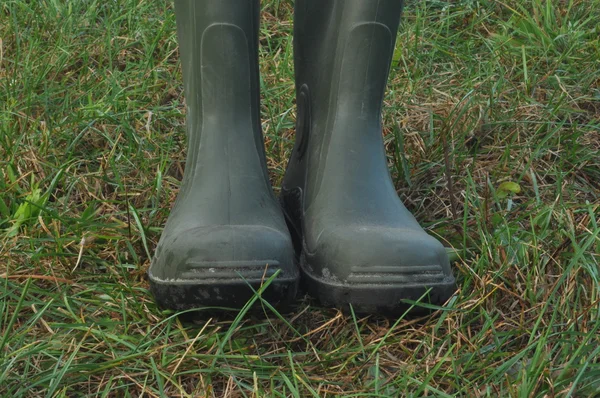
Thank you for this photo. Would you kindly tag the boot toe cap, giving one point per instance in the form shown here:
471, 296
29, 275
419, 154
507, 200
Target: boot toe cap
349, 252
222, 266
223, 252
375, 269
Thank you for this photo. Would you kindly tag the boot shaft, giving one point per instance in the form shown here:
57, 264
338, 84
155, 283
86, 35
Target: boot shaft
216, 30
343, 52
219, 55
335, 36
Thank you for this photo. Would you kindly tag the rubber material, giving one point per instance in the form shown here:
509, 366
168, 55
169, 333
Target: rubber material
360, 246
226, 231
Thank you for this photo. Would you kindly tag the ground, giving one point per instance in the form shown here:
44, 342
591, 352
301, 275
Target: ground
492, 126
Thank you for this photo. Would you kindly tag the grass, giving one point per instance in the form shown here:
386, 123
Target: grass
492, 126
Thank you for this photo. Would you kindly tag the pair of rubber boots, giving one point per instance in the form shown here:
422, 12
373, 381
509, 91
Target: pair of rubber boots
343, 230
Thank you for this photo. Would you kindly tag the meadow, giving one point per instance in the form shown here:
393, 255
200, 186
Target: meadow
492, 130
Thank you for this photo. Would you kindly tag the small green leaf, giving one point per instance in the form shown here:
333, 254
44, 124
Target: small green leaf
507, 188
29, 209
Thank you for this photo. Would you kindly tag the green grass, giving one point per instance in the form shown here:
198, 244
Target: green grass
499, 96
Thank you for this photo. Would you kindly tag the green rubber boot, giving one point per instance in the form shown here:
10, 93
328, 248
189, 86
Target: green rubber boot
359, 245
226, 233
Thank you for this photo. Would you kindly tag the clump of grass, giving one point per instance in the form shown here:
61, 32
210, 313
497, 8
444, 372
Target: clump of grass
500, 99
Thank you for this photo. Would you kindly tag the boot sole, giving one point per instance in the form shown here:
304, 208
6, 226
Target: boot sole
377, 298
216, 295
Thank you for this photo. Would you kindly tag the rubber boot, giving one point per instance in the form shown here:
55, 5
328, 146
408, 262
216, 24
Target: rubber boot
359, 245
226, 234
